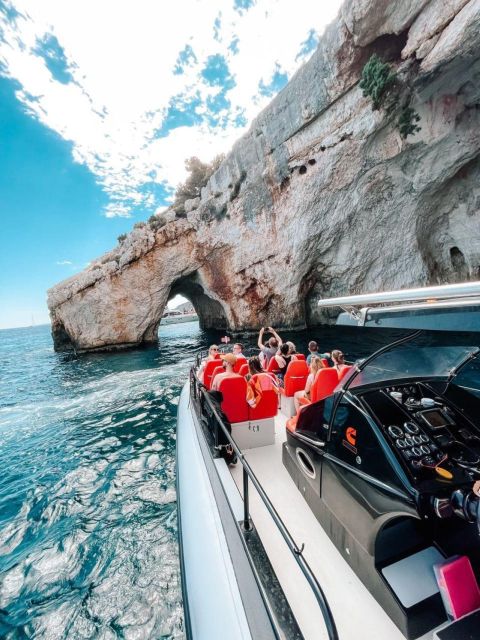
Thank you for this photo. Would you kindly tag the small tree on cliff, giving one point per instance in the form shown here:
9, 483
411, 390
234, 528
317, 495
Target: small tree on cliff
200, 173
377, 77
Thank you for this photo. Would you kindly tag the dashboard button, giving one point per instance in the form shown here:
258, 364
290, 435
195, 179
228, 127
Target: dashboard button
395, 431
411, 427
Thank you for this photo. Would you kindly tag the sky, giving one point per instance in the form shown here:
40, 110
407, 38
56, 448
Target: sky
102, 101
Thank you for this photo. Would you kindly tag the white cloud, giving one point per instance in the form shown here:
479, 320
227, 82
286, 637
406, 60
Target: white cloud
121, 58
64, 262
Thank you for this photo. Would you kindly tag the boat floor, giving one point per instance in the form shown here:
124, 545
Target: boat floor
356, 612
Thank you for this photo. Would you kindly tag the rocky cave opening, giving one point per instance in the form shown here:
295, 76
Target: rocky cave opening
211, 314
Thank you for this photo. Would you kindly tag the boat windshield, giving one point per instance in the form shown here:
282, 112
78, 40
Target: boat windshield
423, 355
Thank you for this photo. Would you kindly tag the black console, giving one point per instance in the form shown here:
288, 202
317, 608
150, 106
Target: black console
428, 435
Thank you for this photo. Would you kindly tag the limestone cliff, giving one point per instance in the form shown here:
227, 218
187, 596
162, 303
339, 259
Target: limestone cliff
321, 197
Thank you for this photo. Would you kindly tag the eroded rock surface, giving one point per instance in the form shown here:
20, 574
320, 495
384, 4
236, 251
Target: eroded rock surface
321, 197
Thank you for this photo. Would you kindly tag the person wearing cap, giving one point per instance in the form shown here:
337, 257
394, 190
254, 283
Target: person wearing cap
229, 361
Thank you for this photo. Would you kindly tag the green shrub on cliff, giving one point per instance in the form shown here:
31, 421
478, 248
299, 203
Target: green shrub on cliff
121, 238
156, 222
200, 173
407, 123
377, 77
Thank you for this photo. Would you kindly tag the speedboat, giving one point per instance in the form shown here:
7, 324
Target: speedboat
174, 317
356, 518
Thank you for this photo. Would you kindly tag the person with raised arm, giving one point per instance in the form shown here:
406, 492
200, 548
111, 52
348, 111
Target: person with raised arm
270, 348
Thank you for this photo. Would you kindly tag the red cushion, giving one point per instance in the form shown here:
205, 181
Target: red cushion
239, 363
243, 369
208, 371
234, 404
295, 378
300, 356
268, 405
344, 370
324, 384
325, 363
273, 365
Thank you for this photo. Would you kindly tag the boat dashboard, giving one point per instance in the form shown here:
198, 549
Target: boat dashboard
431, 437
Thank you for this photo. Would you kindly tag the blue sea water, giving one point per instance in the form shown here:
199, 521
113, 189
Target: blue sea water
88, 526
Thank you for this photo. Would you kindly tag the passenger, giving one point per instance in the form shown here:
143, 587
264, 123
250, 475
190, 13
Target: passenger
283, 360
313, 351
263, 381
268, 350
338, 360
292, 350
229, 361
315, 365
238, 350
212, 355
254, 367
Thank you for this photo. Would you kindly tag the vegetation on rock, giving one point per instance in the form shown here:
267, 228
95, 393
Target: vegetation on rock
407, 123
156, 222
121, 238
377, 77
200, 173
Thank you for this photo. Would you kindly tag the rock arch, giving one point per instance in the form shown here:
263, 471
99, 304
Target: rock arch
210, 310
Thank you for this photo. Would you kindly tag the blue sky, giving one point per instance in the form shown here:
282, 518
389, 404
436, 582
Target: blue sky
99, 110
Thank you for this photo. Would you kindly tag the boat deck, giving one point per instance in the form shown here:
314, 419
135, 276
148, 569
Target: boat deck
357, 614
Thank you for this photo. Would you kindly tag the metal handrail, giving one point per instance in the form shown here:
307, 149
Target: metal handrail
291, 544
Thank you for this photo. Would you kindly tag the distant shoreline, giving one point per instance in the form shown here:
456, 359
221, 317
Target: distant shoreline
26, 326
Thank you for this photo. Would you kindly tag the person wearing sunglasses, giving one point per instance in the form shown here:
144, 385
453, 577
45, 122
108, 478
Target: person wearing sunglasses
212, 355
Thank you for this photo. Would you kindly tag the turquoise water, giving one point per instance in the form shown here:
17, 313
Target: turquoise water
88, 527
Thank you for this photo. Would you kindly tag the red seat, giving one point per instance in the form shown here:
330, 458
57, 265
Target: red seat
273, 366
208, 372
268, 405
234, 404
325, 363
295, 377
239, 364
243, 369
218, 369
300, 356
345, 369
324, 384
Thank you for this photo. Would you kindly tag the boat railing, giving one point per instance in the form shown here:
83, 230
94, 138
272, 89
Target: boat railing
199, 392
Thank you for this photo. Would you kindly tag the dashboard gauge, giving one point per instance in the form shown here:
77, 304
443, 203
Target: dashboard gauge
424, 438
417, 439
401, 444
395, 431
416, 451
409, 441
424, 449
411, 427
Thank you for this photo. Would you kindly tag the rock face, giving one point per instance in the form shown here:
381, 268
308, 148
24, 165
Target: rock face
321, 197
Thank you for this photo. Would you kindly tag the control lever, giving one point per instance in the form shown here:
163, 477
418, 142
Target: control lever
466, 505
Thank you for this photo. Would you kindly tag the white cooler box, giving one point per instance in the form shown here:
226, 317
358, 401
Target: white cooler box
255, 433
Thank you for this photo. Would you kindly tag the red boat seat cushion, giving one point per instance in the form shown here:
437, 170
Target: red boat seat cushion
239, 363
243, 369
324, 384
295, 378
273, 366
208, 372
300, 356
268, 405
234, 404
